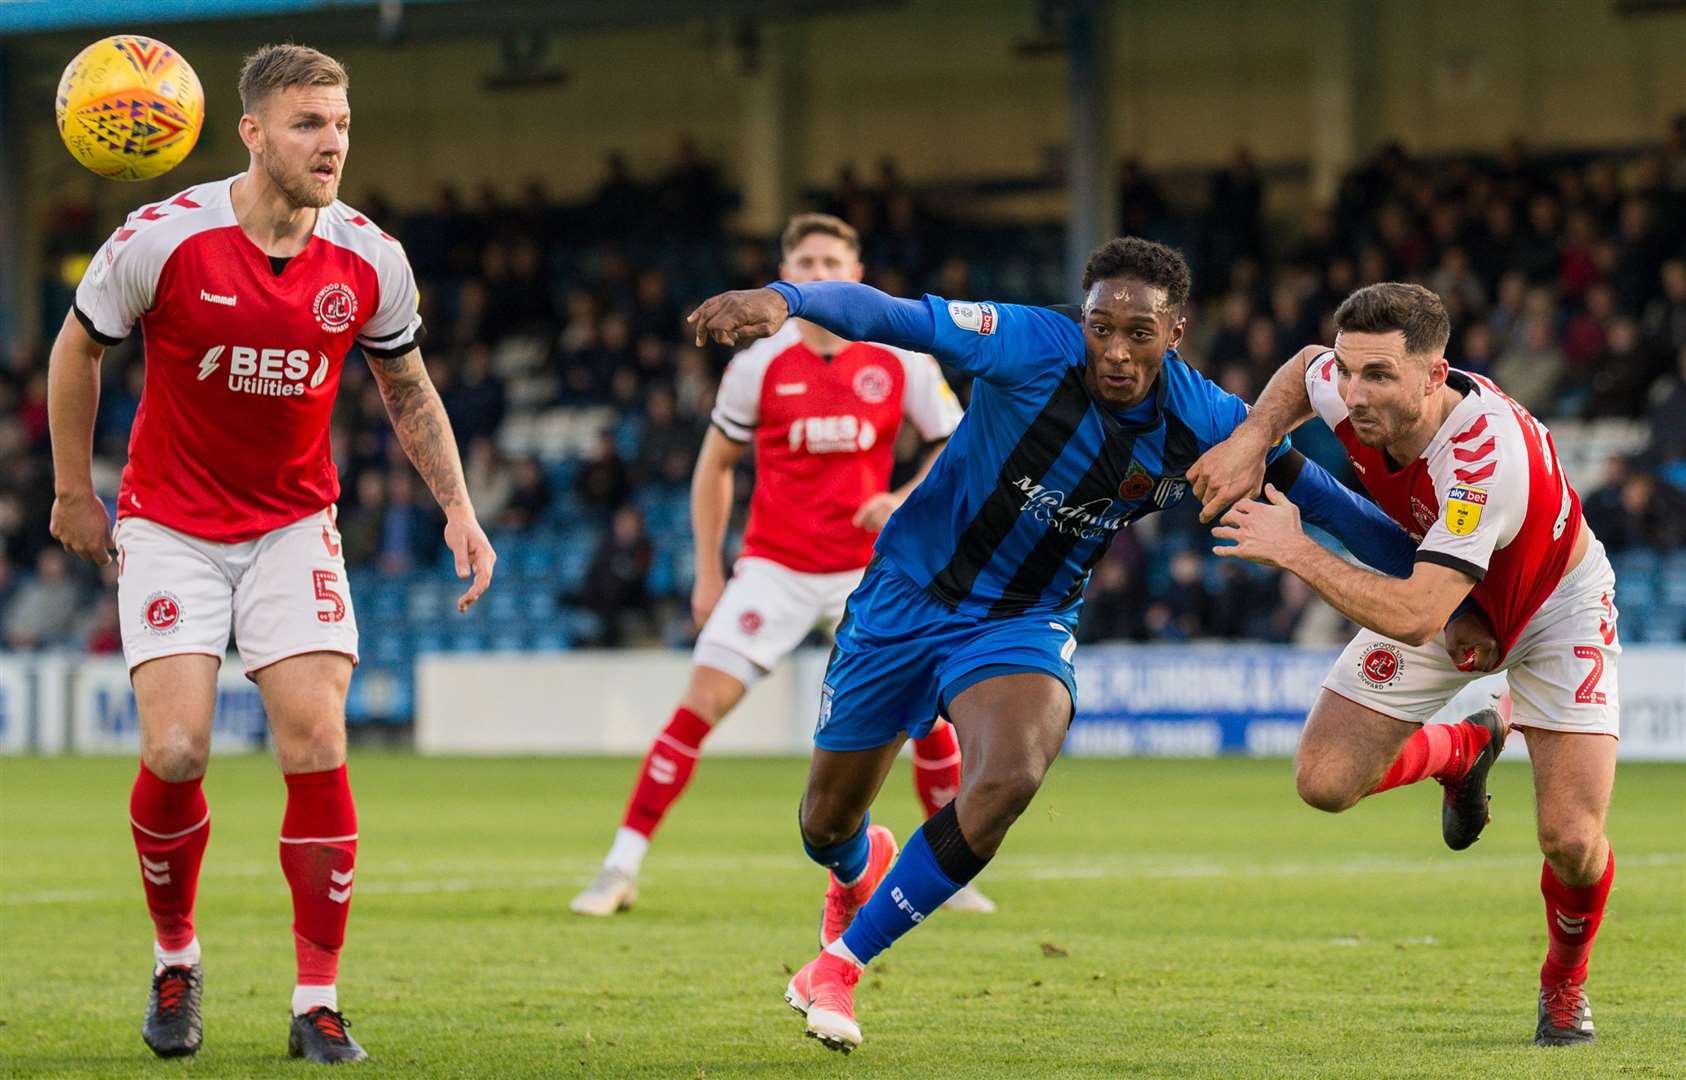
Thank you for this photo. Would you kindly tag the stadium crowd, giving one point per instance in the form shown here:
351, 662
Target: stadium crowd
557, 341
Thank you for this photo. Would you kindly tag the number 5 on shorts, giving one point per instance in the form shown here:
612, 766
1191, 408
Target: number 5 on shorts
326, 578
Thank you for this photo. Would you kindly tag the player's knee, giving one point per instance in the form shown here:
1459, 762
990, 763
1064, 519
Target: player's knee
312, 747
1323, 789
1005, 794
825, 824
1572, 847
175, 754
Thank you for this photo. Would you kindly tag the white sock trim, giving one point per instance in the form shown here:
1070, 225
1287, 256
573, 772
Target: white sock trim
837, 948
306, 998
183, 957
626, 854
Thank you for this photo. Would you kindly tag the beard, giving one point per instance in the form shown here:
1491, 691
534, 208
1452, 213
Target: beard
301, 189
1384, 427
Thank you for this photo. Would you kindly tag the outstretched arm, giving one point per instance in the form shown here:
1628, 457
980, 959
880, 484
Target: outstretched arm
424, 431
850, 310
1234, 469
1413, 610
1357, 522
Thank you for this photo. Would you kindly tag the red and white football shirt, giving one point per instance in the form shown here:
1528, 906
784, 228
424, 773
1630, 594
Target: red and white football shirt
242, 362
824, 432
1487, 496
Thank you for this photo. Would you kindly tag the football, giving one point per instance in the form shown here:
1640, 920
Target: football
129, 107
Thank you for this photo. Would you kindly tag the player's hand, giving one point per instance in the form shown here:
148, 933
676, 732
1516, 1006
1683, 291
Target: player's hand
1229, 472
876, 511
473, 554
81, 524
1264, 532
705, 594
1470, 642
740, 317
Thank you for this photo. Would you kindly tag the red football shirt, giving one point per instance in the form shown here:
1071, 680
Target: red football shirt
242, 362
1487, 496
824, 432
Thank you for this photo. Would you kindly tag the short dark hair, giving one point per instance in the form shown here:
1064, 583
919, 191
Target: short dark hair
1131, 256
803, 226
1396, 305
277, 67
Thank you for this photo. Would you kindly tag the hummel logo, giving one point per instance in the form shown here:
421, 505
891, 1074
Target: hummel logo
156, 872
1571, 924
211, 297
208, 363
328, 542
787, 389
340, 896
663, 770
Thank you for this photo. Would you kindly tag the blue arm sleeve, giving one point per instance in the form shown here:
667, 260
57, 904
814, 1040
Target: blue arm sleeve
1357, 522
1009, 344
861, 313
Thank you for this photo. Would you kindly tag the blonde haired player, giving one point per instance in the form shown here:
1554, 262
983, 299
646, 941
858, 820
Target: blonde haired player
249, 291
822, 415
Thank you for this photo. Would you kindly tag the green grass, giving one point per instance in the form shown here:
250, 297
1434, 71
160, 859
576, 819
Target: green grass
1203, 923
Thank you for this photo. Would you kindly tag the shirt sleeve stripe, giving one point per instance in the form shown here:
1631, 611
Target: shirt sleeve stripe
93, 331
720, 425
386, 352
1440, 558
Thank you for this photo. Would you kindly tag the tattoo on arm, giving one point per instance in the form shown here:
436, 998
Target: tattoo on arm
419, 420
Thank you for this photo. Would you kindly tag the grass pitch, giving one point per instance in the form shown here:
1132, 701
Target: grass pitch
1158, 918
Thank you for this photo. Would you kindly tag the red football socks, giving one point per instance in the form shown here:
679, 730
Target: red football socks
318, 857
667, 769
936, 767
1443, 751
171, 825
1573, 916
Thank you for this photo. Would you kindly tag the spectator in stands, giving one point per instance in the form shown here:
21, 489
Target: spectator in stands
99, 633
474, 399
1116, 606
1667, 414
616, 584
1665, 316
1532, 364
529, 496
43, 611
409, 535
1633, 509
360, 523
488, 476
603, 483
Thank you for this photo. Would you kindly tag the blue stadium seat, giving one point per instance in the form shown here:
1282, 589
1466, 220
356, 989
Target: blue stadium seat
427, 641
466, 641
551, 640
538, 605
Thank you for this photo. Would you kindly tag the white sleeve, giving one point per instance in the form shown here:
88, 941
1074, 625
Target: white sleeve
1323, 386
927, 400
396, 326
737, 403
118, 286
1475, 519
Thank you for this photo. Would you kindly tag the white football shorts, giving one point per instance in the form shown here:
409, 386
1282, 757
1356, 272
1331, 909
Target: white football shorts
1562, 670
283, 593
765, 612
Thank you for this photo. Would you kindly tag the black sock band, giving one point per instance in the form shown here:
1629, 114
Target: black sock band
954, 855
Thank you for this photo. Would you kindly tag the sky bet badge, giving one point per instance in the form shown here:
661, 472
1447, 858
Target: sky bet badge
1463, 509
